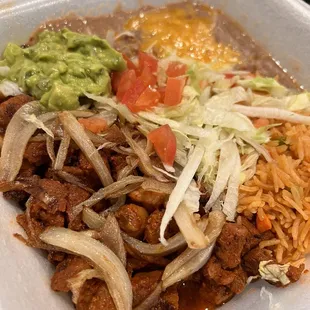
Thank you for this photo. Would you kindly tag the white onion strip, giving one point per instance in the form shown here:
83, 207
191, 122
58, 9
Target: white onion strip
112, 270
179, 190
193, 235
145, 162
62, 151
110, 234
77, 133
275, 113
191, 266
92, 219
17, 135
191, 258
112, 190
173, 244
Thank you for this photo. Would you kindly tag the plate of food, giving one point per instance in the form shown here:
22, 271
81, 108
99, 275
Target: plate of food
154, 157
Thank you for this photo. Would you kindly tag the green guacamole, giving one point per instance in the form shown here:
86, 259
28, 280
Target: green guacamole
62, 66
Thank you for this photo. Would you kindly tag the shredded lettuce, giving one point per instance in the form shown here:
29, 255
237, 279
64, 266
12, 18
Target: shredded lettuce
265, 84
224, 172
274, 272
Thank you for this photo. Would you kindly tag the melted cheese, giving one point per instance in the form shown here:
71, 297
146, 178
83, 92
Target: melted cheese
186, 31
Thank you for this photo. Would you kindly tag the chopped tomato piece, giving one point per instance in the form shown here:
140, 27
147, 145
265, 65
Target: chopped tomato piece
148, 77
133, 93
115, 80
130, 64
127, 80
148, 99
94, 124
176, 69
165, 144
203, 84
162, 91
147, 60
229, 75
174, 91
263, 224
261, 122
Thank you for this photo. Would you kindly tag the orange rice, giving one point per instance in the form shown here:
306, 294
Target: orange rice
282, 190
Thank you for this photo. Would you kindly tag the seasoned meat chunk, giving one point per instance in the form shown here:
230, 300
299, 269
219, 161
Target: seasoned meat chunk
9, 107
143, 284
84, 164
215, 294
213, 270
230, 244
117, 164
18, 196
295, 273
252, 259
132, 219
151, 234
67, 269
149, 200
56, 257
171, 297
36, 153
94, 295
238, 285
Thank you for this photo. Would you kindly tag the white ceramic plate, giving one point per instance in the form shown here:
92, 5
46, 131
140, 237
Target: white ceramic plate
281, 26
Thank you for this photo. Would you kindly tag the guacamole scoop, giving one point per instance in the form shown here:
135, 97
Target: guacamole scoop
62, 66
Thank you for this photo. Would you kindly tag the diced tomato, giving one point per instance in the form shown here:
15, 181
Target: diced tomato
229, 75
203, 84
148, 99
127, 80
176, 69
261, 122
165, 144
94, 124
130, 64
133, 93
162, 91
147, 60
148, 77
174, 91
115, 80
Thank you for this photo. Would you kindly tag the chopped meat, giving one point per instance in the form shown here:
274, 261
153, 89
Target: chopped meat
149, 200
254, 237
76, 195
152, 260
252, 259
151, 234
84, 164
67, 269
36, 153
171, 297
117, 164
238, 285
113, 134
143, 284
134, 264
56, 257
230, 244
127, 45
87, 177
235, 279
214, 271
294, 273
132, 219
94, 295
19, 196
40, 212
9, 107
215, 294
152, 227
